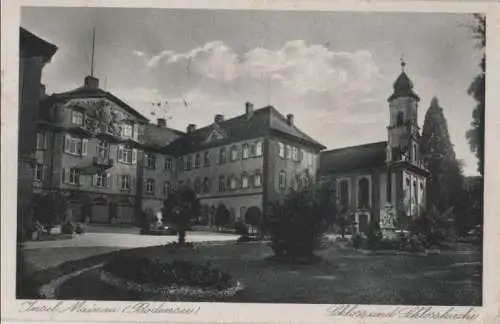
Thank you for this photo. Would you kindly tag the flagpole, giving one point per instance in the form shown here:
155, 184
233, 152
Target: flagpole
93, 52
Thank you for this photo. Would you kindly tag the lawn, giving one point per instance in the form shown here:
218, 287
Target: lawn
344, 276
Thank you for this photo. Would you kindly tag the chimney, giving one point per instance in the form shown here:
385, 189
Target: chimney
248, 108
289, 119
161, 122
43, 91
219, 118
191, 128
91, 82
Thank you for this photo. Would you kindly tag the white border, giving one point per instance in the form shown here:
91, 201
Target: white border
241, 313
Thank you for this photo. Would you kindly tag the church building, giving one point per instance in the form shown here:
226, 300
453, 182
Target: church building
383, 181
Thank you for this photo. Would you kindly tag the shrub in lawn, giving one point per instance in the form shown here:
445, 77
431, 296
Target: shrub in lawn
168, 274
79, 229
373, 235
67, 228
295, 224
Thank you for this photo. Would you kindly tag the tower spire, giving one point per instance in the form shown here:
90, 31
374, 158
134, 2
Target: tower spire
403, 63
93, 53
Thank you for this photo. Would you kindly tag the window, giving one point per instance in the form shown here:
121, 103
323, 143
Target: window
126, 154
197, 185
295, 154
288, 152
414, 152
167, 188
38, 172
246, 151
189, 162
400, 118
74, 176
363, 193
244, 181
150, 161
180, 163
257, 180
125, 182
168, 164
222, 184
197, 161
344, 193
282, 180
234, 183
207, 159
206, 185
222, 155
103, 149
258, 149
76, 117
281, 150
128, 130
75, 145
234, 153
150, 186
41, 141
101, 180
297, 183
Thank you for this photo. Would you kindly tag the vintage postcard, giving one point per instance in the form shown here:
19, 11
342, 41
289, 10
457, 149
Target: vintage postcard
250, 162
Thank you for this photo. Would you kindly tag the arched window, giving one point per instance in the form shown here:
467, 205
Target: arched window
246, 151
222, 184
207, 159
234, 183
258, 148
344, 193
282, 180
257, 179
414, 155
222, 155
234, 153
188, 162
363, 193
197, 161
244, 181
197, 185
206, 185
281, 150
400, 118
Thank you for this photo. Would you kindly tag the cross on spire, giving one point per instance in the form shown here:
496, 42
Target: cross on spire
403, 63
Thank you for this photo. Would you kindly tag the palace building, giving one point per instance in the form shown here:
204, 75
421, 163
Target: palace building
382, 181
113, 163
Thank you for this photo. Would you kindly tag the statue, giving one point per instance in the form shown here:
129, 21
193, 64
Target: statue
159, 219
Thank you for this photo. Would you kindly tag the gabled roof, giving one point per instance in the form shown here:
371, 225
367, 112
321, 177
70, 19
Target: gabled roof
352, 158
262, 122
34, 46
84, 92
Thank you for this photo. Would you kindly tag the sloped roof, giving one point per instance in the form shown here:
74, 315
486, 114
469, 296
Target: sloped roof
262, 122
33, 45
156, 137
89, 92
352, 158
403, 87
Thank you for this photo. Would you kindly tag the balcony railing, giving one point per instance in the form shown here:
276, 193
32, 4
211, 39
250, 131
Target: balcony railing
102, 161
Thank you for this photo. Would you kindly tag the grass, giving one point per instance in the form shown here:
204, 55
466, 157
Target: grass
343, 276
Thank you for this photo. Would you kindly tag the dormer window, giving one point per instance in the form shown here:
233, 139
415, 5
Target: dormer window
76, 117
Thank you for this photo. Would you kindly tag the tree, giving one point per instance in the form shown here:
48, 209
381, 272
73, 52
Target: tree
445, 185
179, 208
222, 215
49, 209
253, 216
475, 135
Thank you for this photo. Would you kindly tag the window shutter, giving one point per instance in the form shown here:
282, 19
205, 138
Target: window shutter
85, 144
65, 143
135, 131
108, 180
134, 156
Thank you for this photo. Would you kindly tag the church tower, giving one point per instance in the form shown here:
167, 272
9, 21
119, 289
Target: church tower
406, 174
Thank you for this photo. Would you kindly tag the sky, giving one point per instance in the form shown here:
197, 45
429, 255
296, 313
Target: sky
333, 70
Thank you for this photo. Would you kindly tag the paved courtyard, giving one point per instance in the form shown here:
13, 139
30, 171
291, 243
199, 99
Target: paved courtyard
40, 255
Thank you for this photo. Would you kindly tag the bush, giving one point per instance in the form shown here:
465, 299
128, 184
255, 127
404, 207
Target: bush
240, 228
295, 224
176, 273
49, 209
222, 215
373, 235
67, 228
253, 216
79, 229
